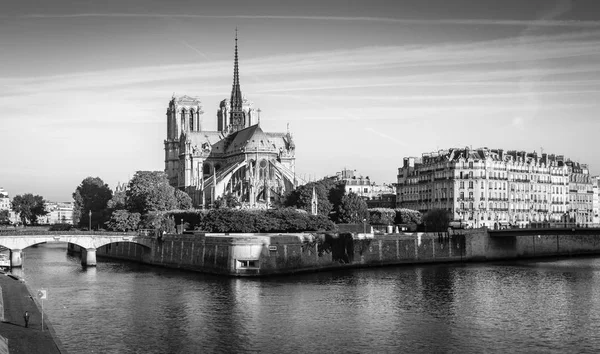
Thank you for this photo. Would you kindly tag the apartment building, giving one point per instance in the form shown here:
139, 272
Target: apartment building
497, 188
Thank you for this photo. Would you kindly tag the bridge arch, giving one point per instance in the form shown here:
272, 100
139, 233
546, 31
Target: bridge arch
87, 244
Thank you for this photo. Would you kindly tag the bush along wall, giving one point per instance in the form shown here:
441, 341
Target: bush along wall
258, 221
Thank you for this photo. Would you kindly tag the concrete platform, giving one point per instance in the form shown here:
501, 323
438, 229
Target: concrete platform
15, 301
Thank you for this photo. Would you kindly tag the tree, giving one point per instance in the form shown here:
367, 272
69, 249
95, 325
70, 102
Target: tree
91, 195
301, 197
436, 220
158, 220
184, 202
352, 209
118, 201
408, 216
29, 207
4, 217
382, 216
122, 220
150, 191
227, 201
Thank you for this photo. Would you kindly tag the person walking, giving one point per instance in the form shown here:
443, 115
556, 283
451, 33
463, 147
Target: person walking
26, 317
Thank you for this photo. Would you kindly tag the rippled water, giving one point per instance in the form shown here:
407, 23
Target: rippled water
546, 307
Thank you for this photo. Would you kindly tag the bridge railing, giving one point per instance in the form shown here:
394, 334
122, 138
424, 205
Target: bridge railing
555, 225
38, 232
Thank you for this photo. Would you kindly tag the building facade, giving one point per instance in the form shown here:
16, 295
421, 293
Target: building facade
4, 200
596, 199
239, 158
6, 204
494, 188
58, 213
376, 195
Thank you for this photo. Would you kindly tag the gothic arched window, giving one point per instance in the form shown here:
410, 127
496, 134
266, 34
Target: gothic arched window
182, 119
262, 169
192, 120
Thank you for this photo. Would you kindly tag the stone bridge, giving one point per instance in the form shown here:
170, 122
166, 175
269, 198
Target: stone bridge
88, 241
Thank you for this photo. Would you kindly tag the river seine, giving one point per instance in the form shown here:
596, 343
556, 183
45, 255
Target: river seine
550, 306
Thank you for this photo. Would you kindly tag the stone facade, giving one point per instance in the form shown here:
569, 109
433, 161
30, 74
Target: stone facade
58, 213
4, 200
376, 195
596, 200
494, 188
267, 254
238, 159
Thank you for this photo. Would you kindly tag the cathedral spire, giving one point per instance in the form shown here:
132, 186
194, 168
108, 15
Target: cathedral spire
236, 93
237, 118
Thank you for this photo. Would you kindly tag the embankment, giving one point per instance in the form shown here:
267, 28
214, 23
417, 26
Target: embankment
16, 299
265, 254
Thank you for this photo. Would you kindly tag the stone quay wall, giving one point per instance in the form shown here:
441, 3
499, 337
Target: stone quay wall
266, 254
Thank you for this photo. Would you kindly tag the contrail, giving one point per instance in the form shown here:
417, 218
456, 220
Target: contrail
194, 49
502, 22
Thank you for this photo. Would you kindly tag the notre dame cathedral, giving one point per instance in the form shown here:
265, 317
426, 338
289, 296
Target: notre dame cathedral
239, 158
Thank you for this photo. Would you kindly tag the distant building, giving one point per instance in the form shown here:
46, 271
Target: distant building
5, 204
58, 213
581, 193
493, 188
596, 200
376, 196
4, 200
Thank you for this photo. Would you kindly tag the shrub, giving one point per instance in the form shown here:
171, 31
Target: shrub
382, 216
122, 220
192, 218
254, 221
60, 227
407, 216
158, 220
436, 220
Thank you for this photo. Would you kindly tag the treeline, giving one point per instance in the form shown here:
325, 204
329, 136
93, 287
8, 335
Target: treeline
248, 221
149, 202
148, 192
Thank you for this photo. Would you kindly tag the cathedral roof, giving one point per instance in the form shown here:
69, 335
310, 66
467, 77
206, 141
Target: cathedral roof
254, 138
249, 139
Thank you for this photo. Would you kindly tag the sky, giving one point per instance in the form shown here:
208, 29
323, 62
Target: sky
84, 85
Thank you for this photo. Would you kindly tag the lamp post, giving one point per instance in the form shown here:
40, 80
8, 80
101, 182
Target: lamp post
364, 226
182, 225
90, 220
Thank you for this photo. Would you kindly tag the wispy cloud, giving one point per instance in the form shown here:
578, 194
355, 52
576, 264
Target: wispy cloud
471, 22
451, 63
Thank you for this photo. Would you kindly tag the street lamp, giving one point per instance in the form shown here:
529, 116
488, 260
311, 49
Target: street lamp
90, 213
364, 226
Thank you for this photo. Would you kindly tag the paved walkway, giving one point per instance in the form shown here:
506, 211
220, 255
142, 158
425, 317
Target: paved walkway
16, 300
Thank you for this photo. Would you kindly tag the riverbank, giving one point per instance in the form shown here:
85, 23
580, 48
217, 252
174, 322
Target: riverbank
16, 299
